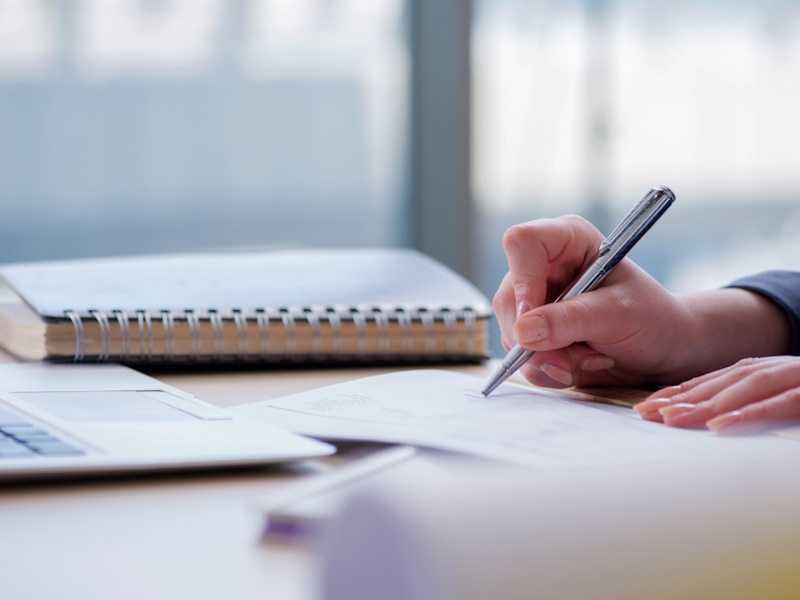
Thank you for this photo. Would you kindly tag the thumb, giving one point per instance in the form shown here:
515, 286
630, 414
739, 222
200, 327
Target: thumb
578, 319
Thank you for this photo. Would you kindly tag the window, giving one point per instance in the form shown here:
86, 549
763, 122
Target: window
130, 126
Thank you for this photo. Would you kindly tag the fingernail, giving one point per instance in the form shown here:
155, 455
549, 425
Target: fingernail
651, 415
522, 308
529, 330
675, 410
597, 362
653, 405
557, 373
724, 421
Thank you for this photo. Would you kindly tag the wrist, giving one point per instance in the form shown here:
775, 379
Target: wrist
719, 327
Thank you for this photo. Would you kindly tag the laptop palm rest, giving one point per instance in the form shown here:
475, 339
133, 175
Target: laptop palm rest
108, 406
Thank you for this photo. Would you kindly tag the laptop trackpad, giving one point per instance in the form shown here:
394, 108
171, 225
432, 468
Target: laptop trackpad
106, 406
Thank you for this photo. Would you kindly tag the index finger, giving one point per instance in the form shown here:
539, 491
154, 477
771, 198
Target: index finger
545, 256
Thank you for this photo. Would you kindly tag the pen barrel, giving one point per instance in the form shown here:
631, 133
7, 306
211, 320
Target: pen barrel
641, 217
588, 280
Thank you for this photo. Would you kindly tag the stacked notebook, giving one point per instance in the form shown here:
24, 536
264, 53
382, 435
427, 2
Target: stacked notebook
283, 306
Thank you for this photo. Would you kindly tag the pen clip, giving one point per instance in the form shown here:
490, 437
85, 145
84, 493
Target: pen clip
642, 210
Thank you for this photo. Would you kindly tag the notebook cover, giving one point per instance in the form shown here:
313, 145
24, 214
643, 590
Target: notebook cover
350, 279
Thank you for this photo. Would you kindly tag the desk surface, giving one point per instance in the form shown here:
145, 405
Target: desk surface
186, 536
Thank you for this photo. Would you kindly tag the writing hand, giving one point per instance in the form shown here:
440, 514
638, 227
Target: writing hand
597, 338
629, 330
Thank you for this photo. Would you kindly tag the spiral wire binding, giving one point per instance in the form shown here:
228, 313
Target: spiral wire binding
80, 342
194, 334
168, 322
145, 334
124, 334
291, 335
335, 321
470, 322
262, 318
313, 320
430, 333
288, 318
216, 327
361, 328
142, 335
404, 320
382, 323
105, 334
241, 329
451, 327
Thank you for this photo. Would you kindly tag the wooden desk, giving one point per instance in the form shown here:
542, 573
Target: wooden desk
186, 536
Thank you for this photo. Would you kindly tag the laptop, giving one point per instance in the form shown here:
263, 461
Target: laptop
59, 420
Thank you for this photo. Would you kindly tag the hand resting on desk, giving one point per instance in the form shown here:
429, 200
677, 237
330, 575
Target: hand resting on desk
753, 393
632, 331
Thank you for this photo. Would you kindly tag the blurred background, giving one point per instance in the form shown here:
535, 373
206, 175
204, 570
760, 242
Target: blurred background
139, 126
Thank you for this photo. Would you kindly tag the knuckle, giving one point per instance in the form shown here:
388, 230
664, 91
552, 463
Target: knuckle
577, 223
687, 385
684, 390
579, 312
536, 376
760, 377
747, 363
758, 411
681, 397
793, 396
504, 296
516, 237
792, 401
498, 301
788, 403
522, 288
713, 405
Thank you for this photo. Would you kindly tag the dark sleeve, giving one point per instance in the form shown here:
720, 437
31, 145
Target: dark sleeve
783, 288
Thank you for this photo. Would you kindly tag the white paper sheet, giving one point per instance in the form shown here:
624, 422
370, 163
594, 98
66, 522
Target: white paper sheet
532, 427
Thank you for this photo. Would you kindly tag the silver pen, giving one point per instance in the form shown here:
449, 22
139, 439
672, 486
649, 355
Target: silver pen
615, 247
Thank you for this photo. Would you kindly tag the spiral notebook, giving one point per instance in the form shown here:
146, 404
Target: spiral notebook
374, 305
